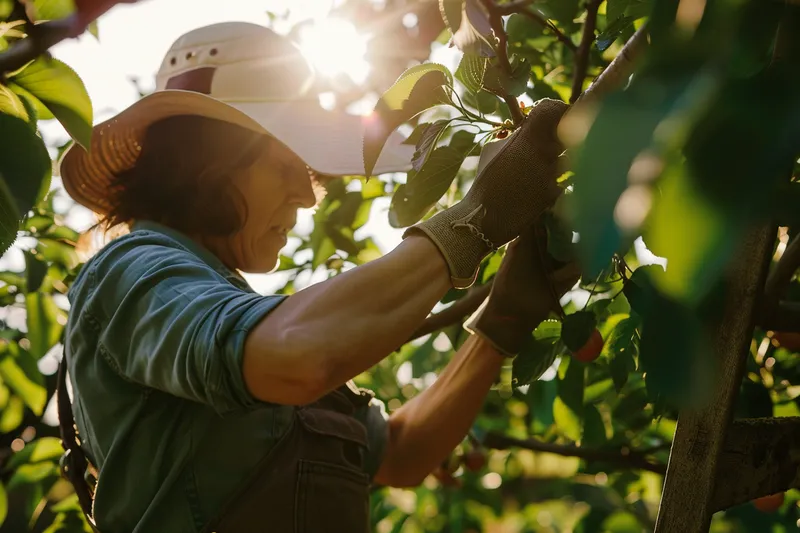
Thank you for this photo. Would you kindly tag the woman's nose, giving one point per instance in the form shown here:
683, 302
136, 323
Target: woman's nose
303, 191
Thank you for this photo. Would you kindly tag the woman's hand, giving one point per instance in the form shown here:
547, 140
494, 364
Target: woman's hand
424, 431
527, 288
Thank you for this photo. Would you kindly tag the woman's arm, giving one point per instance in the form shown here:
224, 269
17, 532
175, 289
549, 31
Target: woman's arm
427, 428
330, 332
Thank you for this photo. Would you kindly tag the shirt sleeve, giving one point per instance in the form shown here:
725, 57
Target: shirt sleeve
169, 321
375, 419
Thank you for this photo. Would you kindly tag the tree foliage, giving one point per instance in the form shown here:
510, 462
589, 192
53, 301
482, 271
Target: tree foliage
700, 146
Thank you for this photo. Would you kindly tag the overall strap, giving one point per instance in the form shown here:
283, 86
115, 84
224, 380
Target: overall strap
74, 462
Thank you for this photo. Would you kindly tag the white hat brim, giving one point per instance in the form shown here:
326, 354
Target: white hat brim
329, 142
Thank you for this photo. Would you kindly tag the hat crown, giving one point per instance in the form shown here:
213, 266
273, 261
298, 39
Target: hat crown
236, 62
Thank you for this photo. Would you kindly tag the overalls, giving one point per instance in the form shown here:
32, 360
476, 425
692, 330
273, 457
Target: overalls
311, 481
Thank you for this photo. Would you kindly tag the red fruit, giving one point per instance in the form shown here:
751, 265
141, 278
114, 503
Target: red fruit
502, 134
769, 504
591, 350
446, 478
789, 340
474, 460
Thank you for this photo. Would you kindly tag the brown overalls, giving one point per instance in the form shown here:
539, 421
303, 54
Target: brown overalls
313, 479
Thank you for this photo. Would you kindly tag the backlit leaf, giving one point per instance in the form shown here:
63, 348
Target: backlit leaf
417, 89
61, 91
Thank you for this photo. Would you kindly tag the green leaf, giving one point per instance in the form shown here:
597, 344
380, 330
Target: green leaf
11, 104
41, 449
93, 29
11, 416
533, 360
61, 91
417, 89
24, 380
424, 188
24, 166
32, 473
58, 252
620, 350
42, 113
615, 9
36, 270
567, 420
464, 142
44, 330
485, 102
471, 70
622, 129
472, 36
577, 329
612, 31
3, 504
427, 142
548, 329
568, 409
9, 216
497, 81
52, 9
594, 429
451, 13
562, 11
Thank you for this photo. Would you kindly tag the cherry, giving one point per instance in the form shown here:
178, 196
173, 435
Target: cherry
474, 460
591, 350
769, 504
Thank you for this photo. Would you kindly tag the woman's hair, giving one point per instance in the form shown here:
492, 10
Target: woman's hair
184, 176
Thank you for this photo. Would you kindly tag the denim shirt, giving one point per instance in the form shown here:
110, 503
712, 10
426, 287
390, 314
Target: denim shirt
154, 341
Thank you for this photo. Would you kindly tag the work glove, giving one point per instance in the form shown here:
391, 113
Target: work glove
526, 289
509, 193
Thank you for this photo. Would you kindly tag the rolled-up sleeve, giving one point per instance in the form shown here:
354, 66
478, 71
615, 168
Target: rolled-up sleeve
171, 322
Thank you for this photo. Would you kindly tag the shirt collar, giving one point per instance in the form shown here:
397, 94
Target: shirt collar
193, 246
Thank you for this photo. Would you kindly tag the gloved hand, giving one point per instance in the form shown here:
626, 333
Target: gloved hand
527, 287
508, 195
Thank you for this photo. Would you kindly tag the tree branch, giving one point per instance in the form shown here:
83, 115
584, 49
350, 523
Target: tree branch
615, 74
623, 458
582, 55
496, 20
455, 313
548, 24
38, 42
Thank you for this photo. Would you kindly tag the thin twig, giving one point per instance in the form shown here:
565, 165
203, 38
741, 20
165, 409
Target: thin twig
496, 20
549, 24
460, 309
582, 55
631, 459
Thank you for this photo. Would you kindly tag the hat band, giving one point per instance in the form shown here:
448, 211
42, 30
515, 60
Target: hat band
197, 80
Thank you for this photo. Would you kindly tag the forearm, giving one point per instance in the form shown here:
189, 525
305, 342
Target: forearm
427, 428
348, 323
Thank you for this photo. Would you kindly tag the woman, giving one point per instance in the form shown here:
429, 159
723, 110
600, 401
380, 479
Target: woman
204, 406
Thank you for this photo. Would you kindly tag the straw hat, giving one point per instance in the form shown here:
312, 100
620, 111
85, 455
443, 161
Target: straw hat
241, 73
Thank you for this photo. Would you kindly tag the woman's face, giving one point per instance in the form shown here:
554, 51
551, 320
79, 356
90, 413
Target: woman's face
272, 190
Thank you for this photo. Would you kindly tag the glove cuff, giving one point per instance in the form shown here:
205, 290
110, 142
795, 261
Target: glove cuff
456, 233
